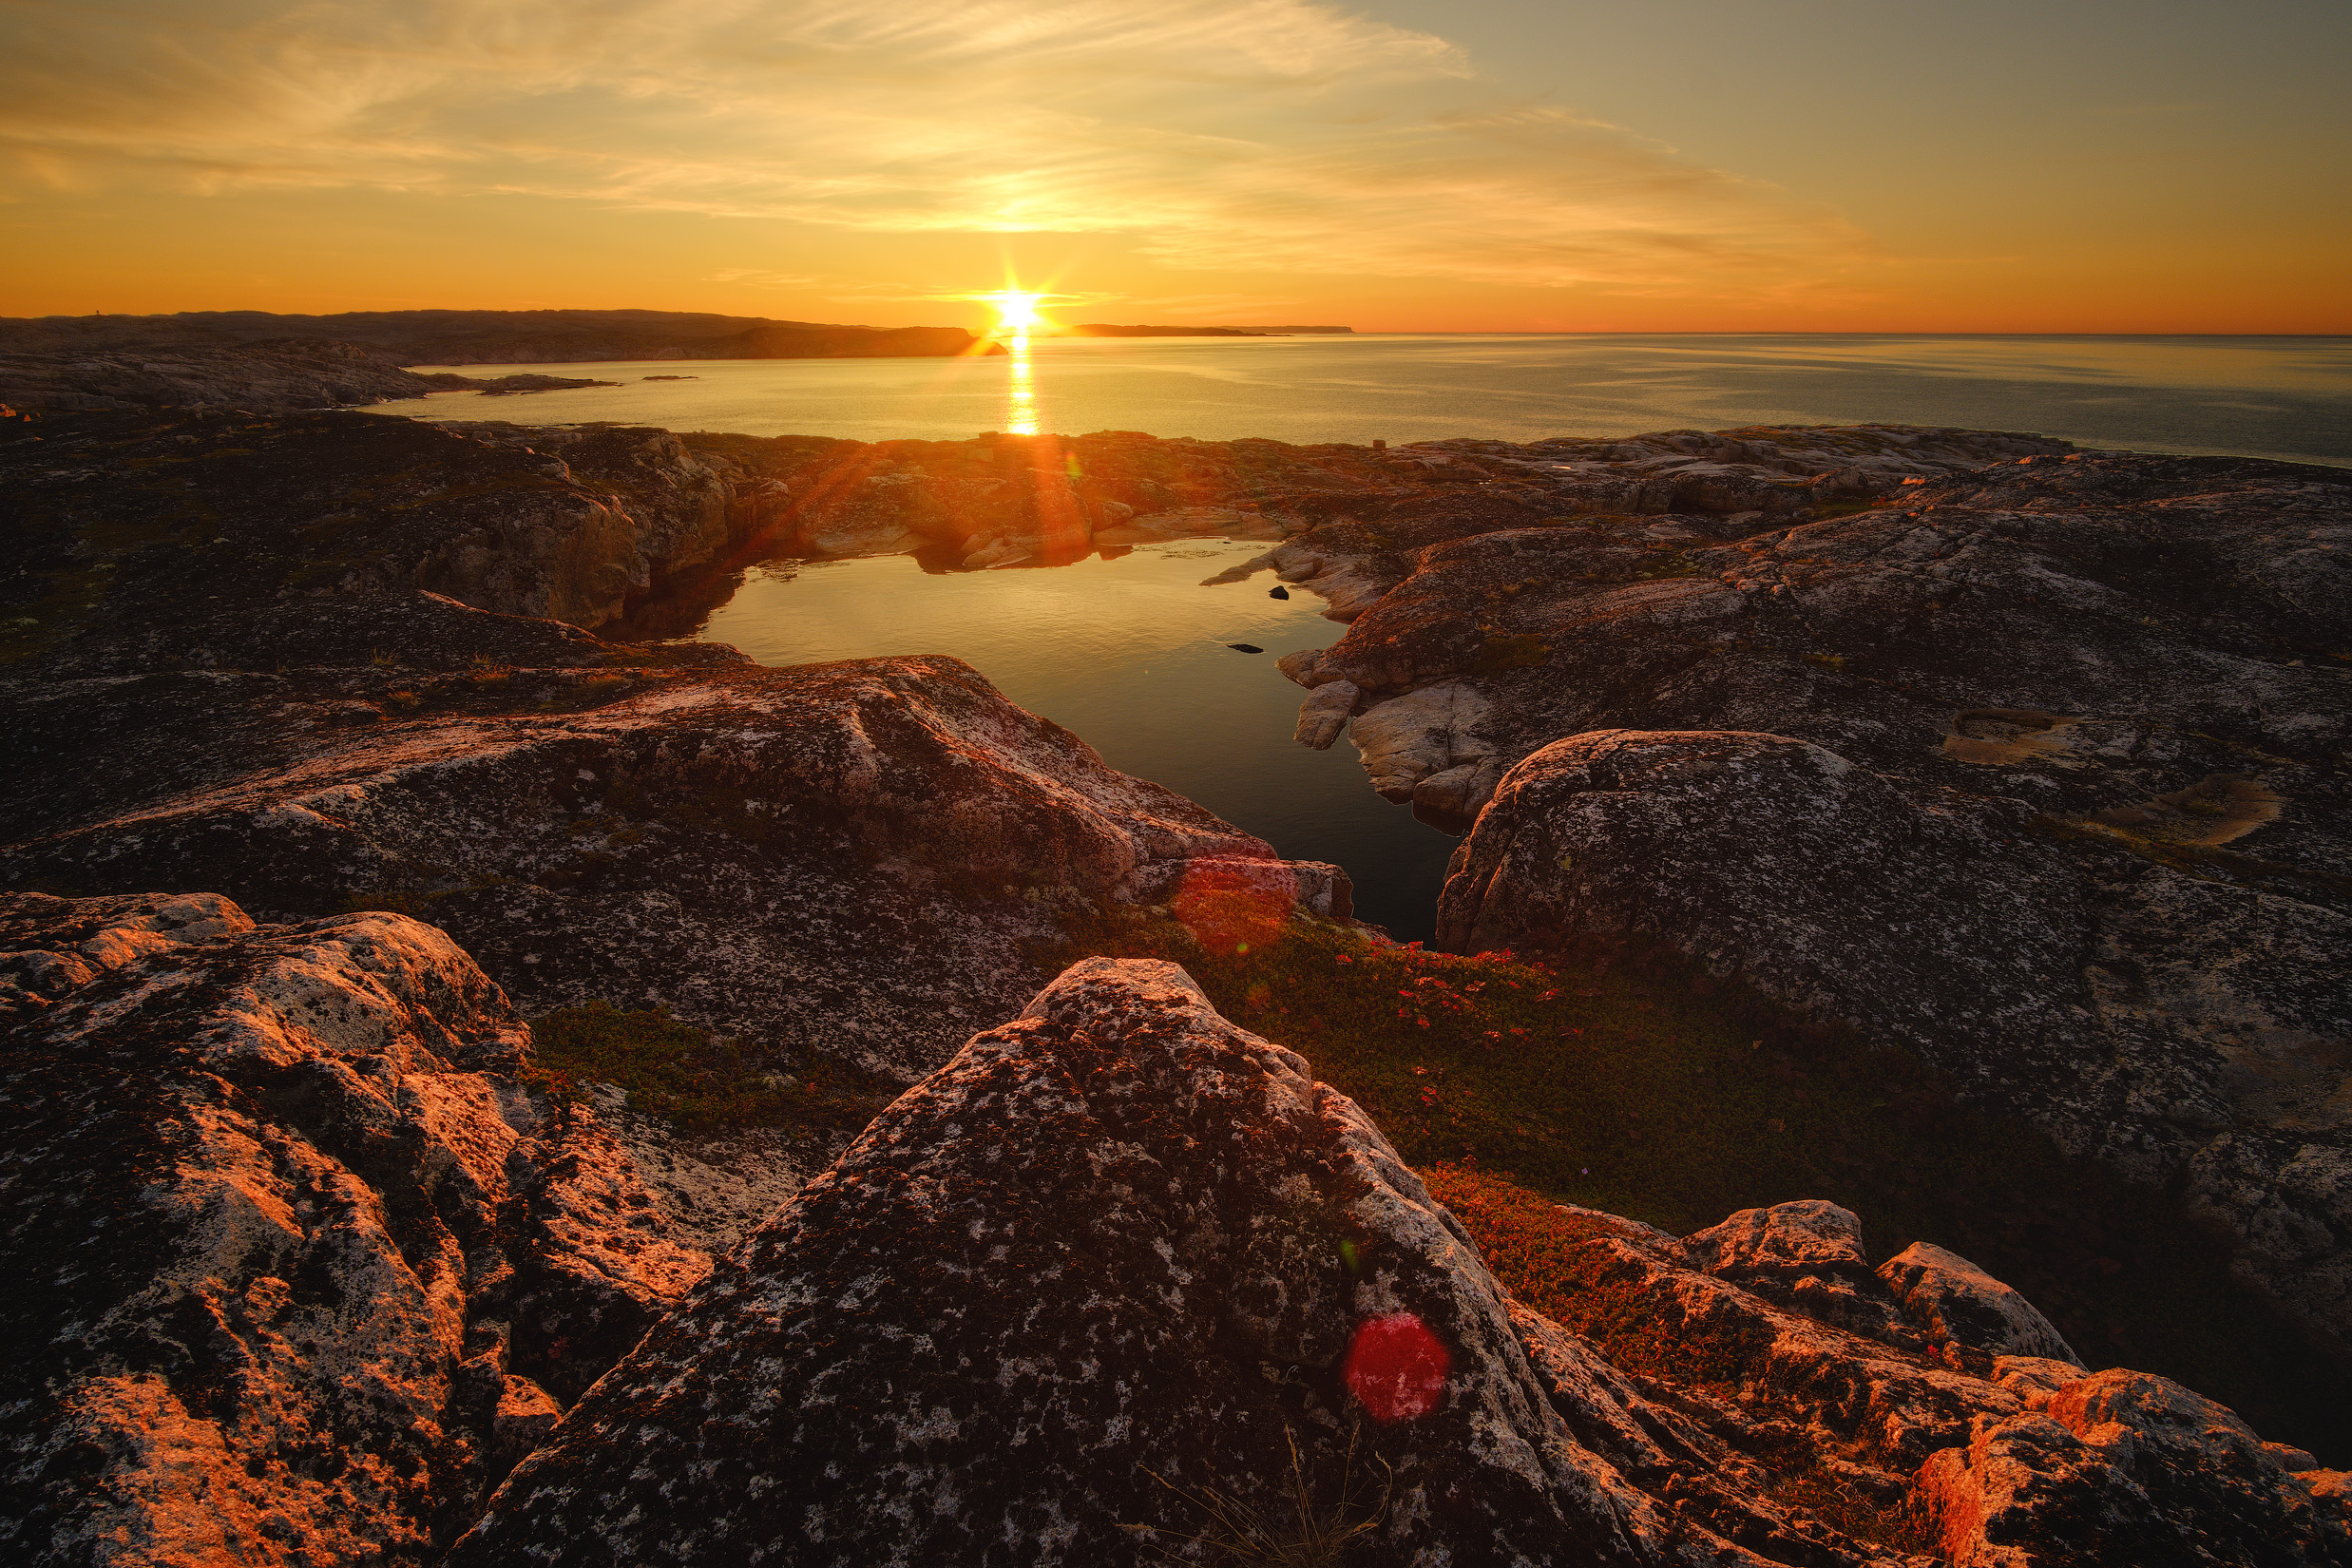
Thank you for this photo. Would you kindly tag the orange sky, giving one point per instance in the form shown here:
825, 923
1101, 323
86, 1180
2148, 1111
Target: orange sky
2159, 165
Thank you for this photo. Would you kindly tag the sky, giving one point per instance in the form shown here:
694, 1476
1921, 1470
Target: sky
1490, 165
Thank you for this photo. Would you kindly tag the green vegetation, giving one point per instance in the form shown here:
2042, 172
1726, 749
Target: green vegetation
1628, 1081
689, 1077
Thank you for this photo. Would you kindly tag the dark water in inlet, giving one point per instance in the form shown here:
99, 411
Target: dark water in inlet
1130, 654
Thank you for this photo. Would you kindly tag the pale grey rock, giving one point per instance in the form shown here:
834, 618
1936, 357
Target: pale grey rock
1457, 794
1322, 715
1408, 739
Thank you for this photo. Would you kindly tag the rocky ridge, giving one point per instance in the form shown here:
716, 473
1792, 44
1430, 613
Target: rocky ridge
268, 377
79, 354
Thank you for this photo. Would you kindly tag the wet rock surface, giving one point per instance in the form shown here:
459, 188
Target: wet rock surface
2036, 767
1119, 1239
300, 1262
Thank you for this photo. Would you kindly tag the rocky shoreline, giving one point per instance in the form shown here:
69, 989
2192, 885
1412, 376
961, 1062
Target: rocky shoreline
2025, 761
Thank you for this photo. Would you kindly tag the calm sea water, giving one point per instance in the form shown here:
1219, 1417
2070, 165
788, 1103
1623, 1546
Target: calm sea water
2288, 397
1130, 652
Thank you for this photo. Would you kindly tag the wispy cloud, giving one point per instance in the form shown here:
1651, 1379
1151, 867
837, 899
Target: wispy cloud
760, 278
1253, 135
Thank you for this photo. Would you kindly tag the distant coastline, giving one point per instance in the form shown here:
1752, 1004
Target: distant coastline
491, 338
1098, 329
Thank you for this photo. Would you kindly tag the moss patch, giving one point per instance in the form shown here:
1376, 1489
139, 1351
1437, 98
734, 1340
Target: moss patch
687, 1076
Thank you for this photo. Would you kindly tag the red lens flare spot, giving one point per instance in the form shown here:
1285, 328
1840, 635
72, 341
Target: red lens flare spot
1396, 1367
1233, 905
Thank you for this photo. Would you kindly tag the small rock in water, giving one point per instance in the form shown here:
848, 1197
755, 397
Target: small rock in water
1245, 647
1277, 591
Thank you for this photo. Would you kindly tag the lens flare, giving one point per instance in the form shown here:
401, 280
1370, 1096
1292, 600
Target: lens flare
1233, 905
1396, 1367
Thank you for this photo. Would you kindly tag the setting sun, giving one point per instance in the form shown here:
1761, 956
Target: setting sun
1016, 311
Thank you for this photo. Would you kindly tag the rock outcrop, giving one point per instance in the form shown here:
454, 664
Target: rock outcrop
1122, 1277
2037, 769
855, 859
126, 520
300, 1263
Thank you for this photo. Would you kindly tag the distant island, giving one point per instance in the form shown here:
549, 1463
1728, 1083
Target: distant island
1097, 328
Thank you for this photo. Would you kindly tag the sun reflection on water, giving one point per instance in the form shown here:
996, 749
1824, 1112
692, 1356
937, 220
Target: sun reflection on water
1020, 388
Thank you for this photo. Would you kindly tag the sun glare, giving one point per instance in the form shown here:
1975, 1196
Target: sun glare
1016, 311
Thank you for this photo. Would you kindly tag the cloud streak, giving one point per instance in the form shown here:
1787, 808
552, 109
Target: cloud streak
1233, 135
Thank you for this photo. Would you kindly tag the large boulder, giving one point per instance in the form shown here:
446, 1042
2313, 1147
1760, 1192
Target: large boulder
1961, 1304
1121, 1282
2034, 767
1094, 1275
300, 1262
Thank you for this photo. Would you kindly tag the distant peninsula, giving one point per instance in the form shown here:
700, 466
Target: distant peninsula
1097, 328
491, 338
255, 359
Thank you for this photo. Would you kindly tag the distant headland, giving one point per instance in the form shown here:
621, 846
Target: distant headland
1097, 328
492, 337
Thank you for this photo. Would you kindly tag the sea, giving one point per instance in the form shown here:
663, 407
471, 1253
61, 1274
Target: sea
1138, 657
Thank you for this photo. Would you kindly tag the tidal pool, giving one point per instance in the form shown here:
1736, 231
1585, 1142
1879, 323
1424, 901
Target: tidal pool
1130, 652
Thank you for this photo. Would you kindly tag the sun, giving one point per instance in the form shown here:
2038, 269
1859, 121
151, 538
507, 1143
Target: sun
1016, 311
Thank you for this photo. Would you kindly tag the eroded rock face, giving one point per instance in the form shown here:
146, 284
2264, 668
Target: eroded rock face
1118, 1237
298, 1263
